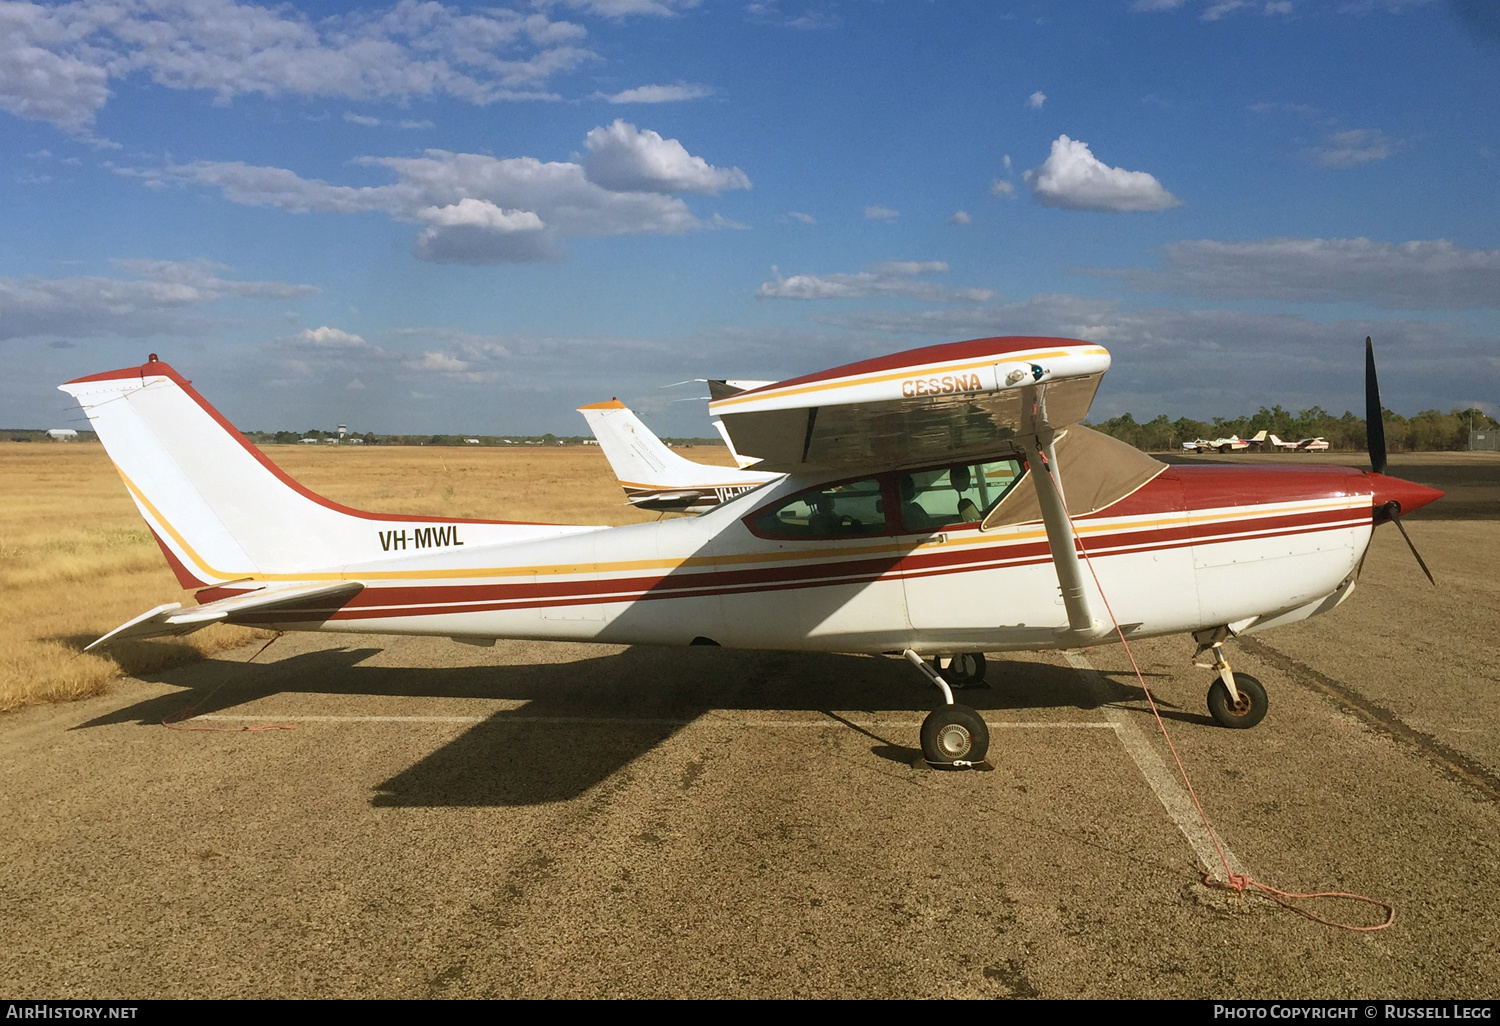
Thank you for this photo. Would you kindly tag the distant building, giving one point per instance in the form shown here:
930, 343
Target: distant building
63, 435
471, 441
1479, 438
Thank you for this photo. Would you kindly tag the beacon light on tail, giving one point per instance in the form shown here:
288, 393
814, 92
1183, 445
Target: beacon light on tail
897, 516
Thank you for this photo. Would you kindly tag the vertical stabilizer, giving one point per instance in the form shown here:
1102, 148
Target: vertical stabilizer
221, 510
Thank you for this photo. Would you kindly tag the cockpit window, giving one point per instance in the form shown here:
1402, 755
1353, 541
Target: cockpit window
959, 494
847, 510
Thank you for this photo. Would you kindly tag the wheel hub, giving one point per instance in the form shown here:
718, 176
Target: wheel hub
954, 741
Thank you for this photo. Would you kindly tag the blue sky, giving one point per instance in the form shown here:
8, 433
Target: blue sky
426, 217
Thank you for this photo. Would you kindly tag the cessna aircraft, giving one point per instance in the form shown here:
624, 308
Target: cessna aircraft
656, 478
1234, 443
943, 501
1266, 441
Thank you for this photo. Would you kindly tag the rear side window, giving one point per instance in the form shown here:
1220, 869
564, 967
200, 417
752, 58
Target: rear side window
847, 510
959, 494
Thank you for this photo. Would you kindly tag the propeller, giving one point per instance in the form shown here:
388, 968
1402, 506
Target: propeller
1375, 442
1374, 421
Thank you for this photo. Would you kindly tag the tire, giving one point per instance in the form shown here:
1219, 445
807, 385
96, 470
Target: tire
964, 670
954, 733
1226, 448
1252, 707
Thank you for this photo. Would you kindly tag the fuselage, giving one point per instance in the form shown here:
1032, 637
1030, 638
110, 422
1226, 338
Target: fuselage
1194, 547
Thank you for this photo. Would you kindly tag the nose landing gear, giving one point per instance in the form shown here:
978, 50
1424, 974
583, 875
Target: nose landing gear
1235, 700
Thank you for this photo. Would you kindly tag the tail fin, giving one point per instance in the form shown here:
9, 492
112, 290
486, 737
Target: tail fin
638, 457
219, 508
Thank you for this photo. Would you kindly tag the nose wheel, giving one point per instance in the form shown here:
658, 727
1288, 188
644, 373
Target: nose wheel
1245, 708
1235, 700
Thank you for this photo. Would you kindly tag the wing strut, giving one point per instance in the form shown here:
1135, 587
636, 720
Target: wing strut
1060, 537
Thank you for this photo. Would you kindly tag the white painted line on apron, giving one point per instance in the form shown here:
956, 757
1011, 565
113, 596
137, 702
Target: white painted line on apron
502, 717
1162, 779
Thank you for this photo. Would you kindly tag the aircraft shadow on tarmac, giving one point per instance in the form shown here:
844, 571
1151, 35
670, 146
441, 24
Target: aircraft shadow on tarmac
549, 751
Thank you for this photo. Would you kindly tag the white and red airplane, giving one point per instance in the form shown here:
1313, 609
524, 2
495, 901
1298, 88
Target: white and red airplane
938, 502
1234, 443
656, 478
1268, 441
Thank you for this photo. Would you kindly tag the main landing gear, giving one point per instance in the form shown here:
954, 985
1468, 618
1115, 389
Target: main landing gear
1235, 700
952, 735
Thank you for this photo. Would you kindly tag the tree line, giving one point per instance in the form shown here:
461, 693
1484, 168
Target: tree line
1430, 430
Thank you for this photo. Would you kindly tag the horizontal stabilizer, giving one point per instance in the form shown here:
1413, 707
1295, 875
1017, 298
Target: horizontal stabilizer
296, 603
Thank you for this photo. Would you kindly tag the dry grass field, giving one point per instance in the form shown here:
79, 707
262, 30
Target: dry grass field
76, 559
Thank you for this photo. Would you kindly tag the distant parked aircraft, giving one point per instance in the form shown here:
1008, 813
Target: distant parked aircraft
1231, 444
1268, 442
653, 476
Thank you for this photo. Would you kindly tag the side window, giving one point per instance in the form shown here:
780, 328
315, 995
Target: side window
848, 510
959, 494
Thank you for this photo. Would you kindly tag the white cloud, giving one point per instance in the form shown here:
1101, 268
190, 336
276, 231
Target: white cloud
801, 218
478, 213
374, 122
769, 12
1007, 161
329, 338
1222, 9
56, 62
624, 8
1074, 179
960, 217
158, 297
1036, 99
661, 94
891, 278
478, 209
1423, 274
1355, 146
881, 214
438, 361
1000, 187
622, 158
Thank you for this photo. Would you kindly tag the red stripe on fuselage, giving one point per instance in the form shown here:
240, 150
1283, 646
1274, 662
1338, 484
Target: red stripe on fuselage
413, 600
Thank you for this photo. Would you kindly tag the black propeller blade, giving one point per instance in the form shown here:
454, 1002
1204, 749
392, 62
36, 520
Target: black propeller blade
1375, 442
1374, 422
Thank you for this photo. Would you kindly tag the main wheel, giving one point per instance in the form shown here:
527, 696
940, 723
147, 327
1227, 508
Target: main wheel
1248, 711
964, 670
954, 733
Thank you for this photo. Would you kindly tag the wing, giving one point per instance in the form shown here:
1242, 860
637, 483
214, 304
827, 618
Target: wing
955, 400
